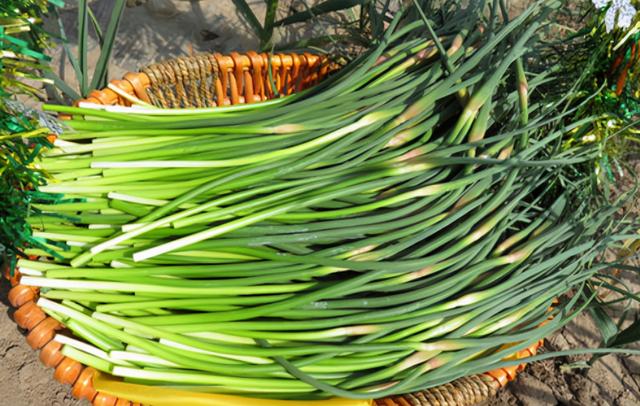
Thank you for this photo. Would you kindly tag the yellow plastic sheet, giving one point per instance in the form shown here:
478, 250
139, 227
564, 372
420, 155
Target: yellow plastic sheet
157, 396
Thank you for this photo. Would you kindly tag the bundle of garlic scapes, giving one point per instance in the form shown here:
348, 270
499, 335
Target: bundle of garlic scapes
392, 229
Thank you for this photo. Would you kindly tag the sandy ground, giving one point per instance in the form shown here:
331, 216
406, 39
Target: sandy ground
613, 380
145, 38
24, 381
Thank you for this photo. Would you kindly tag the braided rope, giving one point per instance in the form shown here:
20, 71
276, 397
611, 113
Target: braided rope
183, 82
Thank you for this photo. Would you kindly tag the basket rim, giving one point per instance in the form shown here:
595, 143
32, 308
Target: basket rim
237, 78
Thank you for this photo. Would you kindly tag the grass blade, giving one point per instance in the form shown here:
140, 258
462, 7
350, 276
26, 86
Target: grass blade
96, 27
269, 19
249, 16
605, 324
83, 38
629, 335
319, 9
62, 85
100, 74
65, 45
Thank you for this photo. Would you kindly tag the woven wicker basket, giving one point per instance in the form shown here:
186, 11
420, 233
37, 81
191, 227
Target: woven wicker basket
210, 80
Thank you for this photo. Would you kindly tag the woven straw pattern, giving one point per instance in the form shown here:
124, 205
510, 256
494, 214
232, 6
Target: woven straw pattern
464, 391
209, 80
184, 81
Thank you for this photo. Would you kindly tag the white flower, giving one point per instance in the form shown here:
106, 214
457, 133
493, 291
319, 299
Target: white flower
622, 9
610, 19
627, 13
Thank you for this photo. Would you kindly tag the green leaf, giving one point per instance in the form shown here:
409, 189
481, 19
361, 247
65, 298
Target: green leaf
605, 324
100, 74
96, 27
629, 335
83, 39
315, 43
319, 9
272, 82
249, 16
62, 85
65, 45
269, 19
57, 3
